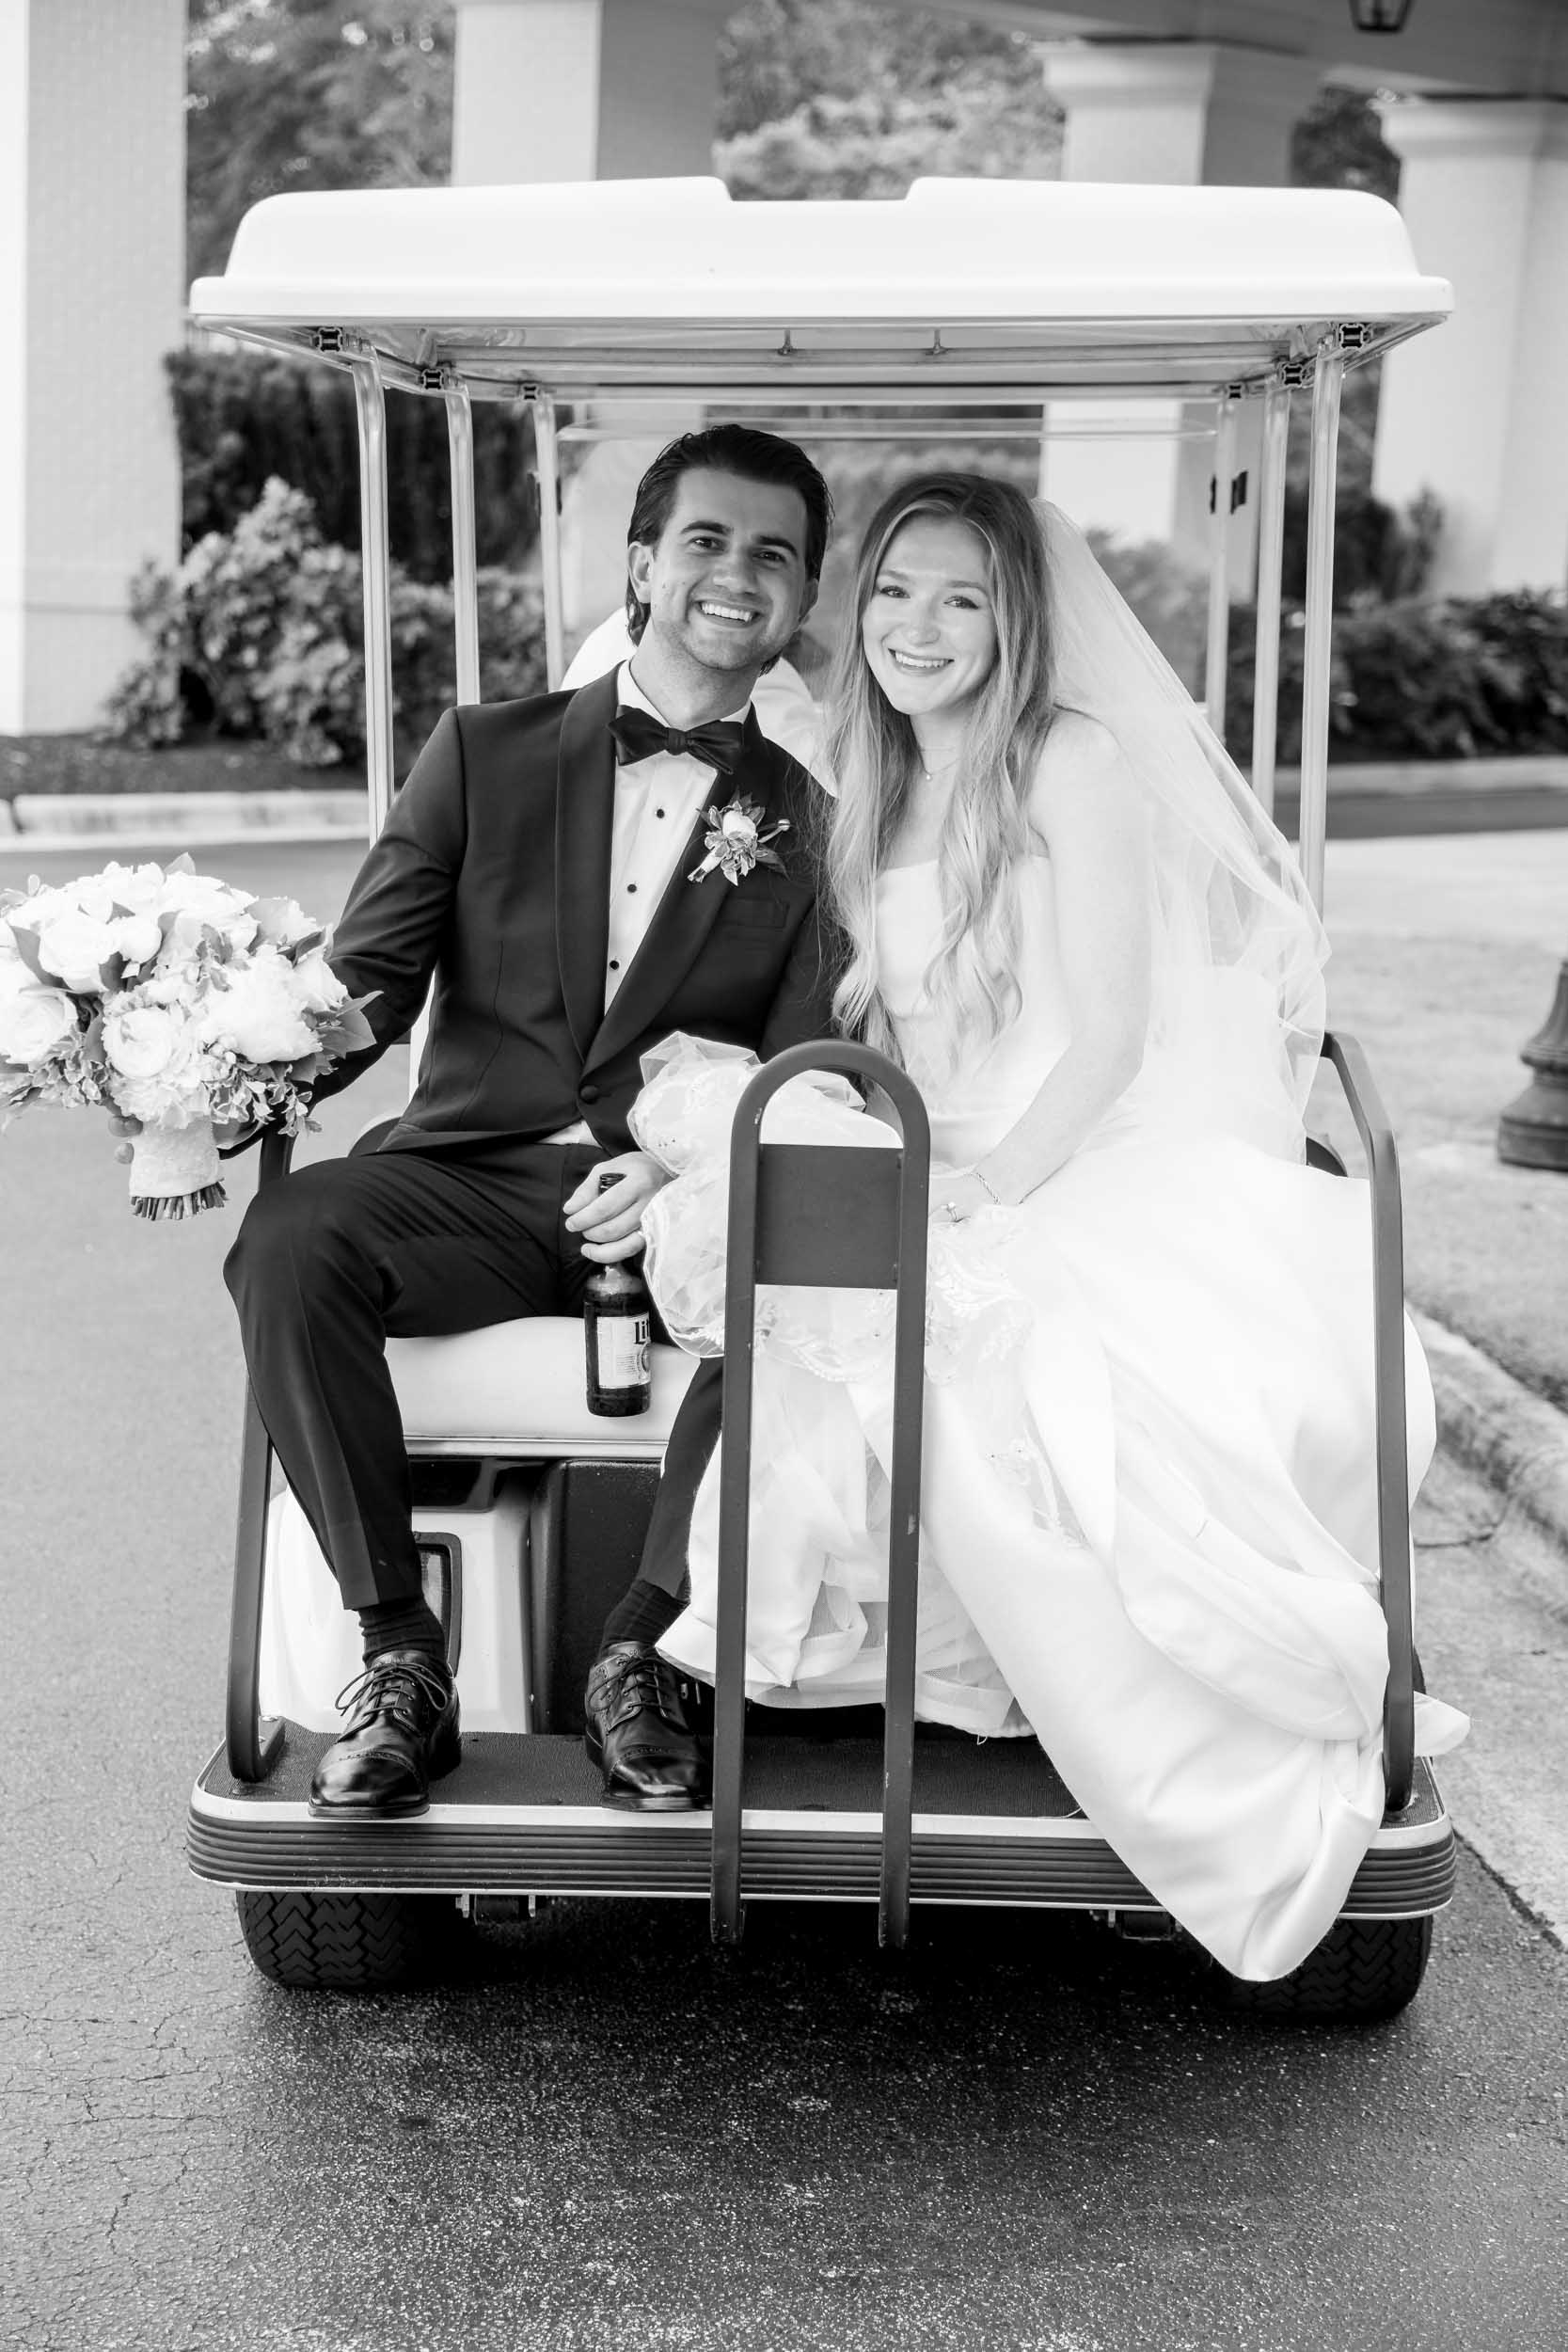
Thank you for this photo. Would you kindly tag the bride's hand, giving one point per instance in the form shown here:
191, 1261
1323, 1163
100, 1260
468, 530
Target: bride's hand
611, 1223
127, 1130
957, 1196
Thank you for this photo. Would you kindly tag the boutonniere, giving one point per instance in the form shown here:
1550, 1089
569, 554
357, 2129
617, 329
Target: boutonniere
735, 841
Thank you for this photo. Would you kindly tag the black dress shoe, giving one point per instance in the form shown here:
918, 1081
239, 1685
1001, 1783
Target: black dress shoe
400, 1735
638, 1733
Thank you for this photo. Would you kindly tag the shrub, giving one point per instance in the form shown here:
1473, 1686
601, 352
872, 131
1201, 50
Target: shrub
1378, 551
1451, 679
260, 632
244, 417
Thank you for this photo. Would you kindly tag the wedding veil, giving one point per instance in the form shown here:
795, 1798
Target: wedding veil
1237, 1012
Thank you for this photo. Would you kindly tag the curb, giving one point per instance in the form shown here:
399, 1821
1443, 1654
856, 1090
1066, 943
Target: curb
142, 820
1495, 1426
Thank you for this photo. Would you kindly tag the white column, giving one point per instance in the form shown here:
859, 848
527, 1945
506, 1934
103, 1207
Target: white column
584, 89
588, 89
1475, 410
1174, 114
92, 151
1179, 114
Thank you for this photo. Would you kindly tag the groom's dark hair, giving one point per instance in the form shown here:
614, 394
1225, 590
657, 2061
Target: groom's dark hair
737, 449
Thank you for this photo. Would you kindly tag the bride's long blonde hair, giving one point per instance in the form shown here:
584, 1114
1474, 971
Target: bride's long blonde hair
971, 981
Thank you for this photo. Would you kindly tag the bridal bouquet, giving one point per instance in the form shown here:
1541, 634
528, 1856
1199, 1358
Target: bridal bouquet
170, 997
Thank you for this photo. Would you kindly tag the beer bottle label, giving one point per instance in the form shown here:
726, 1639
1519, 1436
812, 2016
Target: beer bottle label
621, 1344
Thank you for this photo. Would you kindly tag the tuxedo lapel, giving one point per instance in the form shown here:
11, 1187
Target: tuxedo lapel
584, 817
687, 911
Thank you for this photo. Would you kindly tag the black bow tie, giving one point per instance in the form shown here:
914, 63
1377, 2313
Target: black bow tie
637, 735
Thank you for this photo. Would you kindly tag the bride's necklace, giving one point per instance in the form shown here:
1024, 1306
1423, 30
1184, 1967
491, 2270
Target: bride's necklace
941, 767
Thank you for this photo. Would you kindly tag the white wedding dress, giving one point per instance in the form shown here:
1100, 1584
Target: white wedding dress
1149, 1504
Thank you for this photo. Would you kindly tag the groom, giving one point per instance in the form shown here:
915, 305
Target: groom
536, 865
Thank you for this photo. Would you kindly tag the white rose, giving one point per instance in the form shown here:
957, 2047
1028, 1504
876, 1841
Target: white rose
137, 937
34, 1020
320, 989
216, 902
155, 1053
91, 896
39, 906
735, 824
73, 946
137, 888
282, 921
256, 1011
184, 933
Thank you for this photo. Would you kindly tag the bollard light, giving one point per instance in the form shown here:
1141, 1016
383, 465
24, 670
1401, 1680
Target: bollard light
1379, 16
1534, 1129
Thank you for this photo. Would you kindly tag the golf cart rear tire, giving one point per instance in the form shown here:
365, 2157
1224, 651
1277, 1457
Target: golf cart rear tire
1364, 1969
345, 1943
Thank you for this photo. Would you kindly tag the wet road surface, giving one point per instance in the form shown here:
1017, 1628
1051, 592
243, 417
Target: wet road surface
601, 2134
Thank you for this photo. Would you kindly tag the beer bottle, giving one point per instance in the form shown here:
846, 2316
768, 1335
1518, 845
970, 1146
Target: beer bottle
615, 1328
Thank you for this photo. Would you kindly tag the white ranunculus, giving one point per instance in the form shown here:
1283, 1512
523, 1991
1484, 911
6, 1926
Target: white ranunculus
257, 1011
34, 1019
155, 1052
320, 989
73, 946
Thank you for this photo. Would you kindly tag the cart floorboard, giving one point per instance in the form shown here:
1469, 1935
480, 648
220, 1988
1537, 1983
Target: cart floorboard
522, 1814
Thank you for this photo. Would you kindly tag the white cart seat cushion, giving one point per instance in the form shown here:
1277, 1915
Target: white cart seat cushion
520, 1388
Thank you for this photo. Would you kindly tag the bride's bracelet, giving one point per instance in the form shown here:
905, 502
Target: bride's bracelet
988, 1187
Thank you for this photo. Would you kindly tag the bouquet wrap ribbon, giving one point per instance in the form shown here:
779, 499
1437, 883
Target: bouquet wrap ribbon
175, 1172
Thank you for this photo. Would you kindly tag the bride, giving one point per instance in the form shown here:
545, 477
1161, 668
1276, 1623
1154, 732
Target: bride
1149, 1507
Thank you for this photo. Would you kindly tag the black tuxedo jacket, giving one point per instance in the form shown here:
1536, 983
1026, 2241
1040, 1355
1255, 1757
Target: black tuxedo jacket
492, 874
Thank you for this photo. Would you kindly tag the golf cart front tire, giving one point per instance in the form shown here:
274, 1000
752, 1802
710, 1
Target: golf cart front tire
345, 1943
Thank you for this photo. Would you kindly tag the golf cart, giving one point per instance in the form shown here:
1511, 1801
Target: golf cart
969, 311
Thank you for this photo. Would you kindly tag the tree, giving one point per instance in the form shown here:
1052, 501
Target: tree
775, 56
284, 94
1339, 143
834, 98
875, 145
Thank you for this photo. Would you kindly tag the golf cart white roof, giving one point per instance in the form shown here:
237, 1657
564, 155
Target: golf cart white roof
650, 285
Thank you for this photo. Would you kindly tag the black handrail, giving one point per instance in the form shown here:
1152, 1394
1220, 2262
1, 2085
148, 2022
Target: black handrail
1393, 1462
254, 1742
905, 1268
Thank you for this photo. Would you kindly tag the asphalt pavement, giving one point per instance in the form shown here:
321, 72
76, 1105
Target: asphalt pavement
1024, 2135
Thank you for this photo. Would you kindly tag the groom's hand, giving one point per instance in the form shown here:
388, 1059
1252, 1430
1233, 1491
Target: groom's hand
611, 1222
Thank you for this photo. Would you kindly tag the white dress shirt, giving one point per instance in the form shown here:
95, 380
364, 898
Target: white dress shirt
657, 801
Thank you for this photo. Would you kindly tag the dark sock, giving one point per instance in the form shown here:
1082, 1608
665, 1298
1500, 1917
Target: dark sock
642, 1615
402, 1625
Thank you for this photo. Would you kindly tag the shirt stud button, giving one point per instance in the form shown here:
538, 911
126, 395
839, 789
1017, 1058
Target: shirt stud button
614, 963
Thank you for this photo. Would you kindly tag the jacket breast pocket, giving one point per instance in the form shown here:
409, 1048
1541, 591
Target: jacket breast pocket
743, 911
